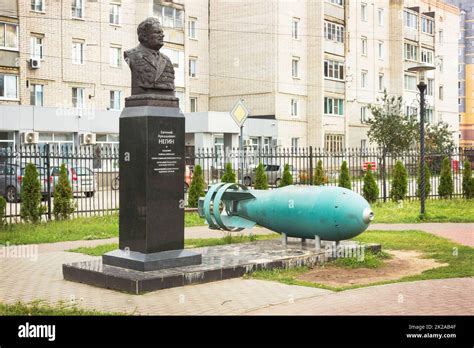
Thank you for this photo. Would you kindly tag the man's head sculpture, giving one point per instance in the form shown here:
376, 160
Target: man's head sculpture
150, 33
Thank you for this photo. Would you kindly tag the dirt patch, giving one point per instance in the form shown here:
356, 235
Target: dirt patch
402, 263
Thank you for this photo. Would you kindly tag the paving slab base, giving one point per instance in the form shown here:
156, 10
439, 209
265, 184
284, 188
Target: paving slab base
218, 263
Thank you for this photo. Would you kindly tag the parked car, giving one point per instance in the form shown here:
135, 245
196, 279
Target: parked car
274, 174
11, 177
188, 176
82, 180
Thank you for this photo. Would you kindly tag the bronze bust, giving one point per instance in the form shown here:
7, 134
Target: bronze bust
152, 71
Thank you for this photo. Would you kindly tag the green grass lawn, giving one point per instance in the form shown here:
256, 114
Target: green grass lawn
188, 243
87, 228
439, 210
40, 308
460, 259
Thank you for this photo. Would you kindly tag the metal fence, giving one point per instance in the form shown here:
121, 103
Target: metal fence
94, 173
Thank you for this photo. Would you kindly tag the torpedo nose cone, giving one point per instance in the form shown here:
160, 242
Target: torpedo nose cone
367, 215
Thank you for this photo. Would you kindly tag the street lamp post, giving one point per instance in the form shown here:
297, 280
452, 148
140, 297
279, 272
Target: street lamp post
421, 69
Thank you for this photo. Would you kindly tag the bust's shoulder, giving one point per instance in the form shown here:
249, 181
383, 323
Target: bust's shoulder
133, 52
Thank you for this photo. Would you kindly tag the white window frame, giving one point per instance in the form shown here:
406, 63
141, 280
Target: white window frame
37, 90
334, 69
364, 78
441, 36
115, 56
192, 28
192, 67
381, 83
78, 9
115, 10
334, 32
3, 26
37, 5
409, 82
177, 13
193, 100
364, 46
115, 100
441, 92
334, 142
427, 25
78, 52
380, 49
363, 12
430, 87
427, 56
295, 143
36, 49
410, 19
295, 61
410, 51
363, 114
332, 106
9, 80
78, 97
295, 28
294, 107
380, 13
336, 2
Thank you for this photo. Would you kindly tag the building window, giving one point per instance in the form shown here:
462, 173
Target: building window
411, 52
192, 67
336, 2
333, 106
427, 25
294, 28
334, 69
441, 36
115, 100
114, 14
36, 95
294, 66
380, 16
411, 111
363, 12
380, 49
429, 115
294, 107
193, 104
363, 144
410, 83
8, 36
441, 64
169, 17
430, 87
363, 114
364, 45
426, 56
411, 20
78, 8
441, 93
334, 142
192, 28
36, 47
8, 86
381, 86
295, 142
115, 57
333, 32
363, 79
37, 5
78, 98
78, 53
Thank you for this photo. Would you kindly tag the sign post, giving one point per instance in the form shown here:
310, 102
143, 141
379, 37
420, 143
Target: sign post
240, 113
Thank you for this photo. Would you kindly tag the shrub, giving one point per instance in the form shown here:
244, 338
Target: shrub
399, 183
445, 188
229, 174
3, 207
31, 208
63, 199
370, 190
287, 178
344, 178
427, 182
319, 174
196, 189
467, 181
261, 181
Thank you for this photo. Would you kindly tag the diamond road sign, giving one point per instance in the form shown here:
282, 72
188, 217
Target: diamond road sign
239, 113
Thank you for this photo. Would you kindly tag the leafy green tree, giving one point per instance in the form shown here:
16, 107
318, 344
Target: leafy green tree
344, 178
196, 189
370, 190
63, 198
391, 129
446, 187
287, 178
467, 181
399, 183
229, 174
427, 182
319, 174
261, 180
3, 207
31, 207
438, 138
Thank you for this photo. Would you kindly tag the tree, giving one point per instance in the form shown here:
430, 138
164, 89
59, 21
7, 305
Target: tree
319, 174
399, 183
467, 181
438, 138
287, 178
427, 182
391, 129
344, 178
31, 208
229, 174
445, 188
261, 181
63, 199
196, 189
370, 190
3, 208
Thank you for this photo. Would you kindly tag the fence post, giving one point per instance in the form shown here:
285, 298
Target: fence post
311, 165
48, 180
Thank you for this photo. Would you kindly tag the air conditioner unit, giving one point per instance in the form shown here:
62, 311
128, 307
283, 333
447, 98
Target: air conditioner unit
88, 139
30, 137
35, 63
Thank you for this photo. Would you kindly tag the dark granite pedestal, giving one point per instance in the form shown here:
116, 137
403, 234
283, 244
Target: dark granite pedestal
218, 263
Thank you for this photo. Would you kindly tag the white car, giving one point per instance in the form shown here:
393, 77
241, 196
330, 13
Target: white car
82, 180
